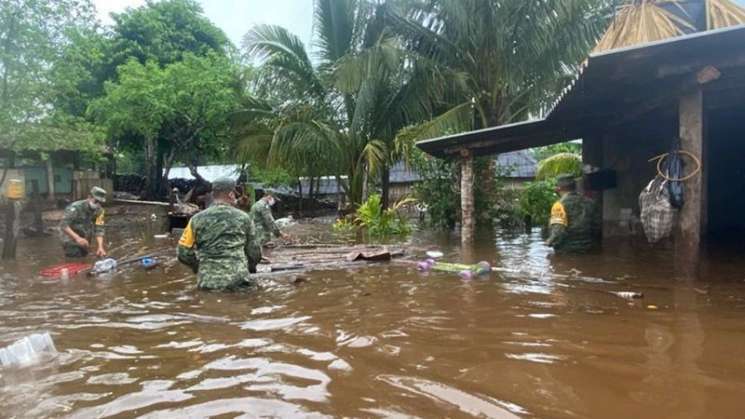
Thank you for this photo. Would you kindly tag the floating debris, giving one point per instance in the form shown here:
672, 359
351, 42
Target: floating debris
628, 295
28, 350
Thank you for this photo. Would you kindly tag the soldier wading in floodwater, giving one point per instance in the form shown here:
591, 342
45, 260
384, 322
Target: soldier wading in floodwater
266, 227
573, 219
219, 242
83, 220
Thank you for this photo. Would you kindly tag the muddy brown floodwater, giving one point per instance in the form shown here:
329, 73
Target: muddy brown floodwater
385, 341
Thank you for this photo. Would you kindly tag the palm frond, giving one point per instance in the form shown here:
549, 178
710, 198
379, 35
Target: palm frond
334, 26
640, 22
373, 156
285, 54
723, 13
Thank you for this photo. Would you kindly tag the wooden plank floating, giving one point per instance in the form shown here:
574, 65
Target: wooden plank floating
289, 259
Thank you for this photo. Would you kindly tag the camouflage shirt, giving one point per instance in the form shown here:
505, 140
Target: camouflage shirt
216, 244
83, 220
572, 224
263, 220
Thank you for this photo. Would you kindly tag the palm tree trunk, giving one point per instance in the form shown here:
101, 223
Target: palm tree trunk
385, 182
300, 198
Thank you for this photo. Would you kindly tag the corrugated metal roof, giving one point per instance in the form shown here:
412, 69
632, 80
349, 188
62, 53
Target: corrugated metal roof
519, 164
209, 173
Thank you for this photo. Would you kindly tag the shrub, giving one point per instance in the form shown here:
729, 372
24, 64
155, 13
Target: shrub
536, 200
380, 223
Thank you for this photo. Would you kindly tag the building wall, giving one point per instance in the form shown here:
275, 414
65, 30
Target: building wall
627, 150
62, 180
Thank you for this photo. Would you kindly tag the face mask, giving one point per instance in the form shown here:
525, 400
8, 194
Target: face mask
270, 202
94, 205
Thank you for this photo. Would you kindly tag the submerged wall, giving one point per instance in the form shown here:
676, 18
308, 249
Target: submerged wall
626, 149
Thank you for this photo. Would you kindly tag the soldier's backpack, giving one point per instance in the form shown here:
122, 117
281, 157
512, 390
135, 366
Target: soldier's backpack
657, 214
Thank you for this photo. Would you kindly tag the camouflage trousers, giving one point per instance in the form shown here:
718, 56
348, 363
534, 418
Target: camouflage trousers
241, 285
220, 279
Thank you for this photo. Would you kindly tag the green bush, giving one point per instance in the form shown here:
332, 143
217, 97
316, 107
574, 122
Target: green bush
272, 177
344, 226
381, 223
536, 200
437, 190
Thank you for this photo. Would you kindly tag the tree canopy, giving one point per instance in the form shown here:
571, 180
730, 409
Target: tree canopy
32, 32
183, 107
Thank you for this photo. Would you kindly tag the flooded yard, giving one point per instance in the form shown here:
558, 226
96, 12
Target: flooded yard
385, 341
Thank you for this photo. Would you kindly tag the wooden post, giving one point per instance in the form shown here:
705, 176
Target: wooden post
466, 197
12, 228
691, 121
50, 178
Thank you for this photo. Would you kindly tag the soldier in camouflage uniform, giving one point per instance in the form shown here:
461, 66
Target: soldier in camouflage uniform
83, 220
219, 242
261, 213
572, 222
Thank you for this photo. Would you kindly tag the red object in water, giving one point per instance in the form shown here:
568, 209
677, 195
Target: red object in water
56, 270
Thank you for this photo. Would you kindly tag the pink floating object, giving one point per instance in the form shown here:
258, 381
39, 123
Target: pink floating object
423, 267
465, 275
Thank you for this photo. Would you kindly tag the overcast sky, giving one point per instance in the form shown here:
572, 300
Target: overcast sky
235, 17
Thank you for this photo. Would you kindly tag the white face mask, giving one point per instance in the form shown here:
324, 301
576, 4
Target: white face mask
270, 202
94, 205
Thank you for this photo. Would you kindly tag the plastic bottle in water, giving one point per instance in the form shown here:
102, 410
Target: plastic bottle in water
27, 350
105, 265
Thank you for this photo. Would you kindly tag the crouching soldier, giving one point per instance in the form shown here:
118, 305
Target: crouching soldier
572, 222
82, 221
219, 241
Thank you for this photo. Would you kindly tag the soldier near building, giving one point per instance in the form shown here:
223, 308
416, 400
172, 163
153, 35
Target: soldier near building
82, 221
219, 242
261, 213
573, 220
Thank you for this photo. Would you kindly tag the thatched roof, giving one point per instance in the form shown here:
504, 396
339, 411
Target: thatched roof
644, 21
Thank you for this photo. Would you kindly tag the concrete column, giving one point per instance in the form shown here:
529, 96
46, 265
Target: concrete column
466, 197
691, 120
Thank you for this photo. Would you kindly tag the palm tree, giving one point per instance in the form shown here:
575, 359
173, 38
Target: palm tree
504, 59
362, 91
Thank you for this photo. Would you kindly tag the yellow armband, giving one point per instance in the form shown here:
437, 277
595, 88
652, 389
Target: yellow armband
558, 215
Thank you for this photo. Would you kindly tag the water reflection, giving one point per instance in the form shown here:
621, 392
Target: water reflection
546, 338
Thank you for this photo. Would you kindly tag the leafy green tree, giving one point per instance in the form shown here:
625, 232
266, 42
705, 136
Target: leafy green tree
31, 34
185, 107
165, 32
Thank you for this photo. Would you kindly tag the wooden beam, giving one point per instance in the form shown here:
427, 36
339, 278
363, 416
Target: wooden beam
691, 125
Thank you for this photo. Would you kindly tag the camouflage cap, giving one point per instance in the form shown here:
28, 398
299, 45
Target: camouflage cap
98, 193
223, 184
566, 182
